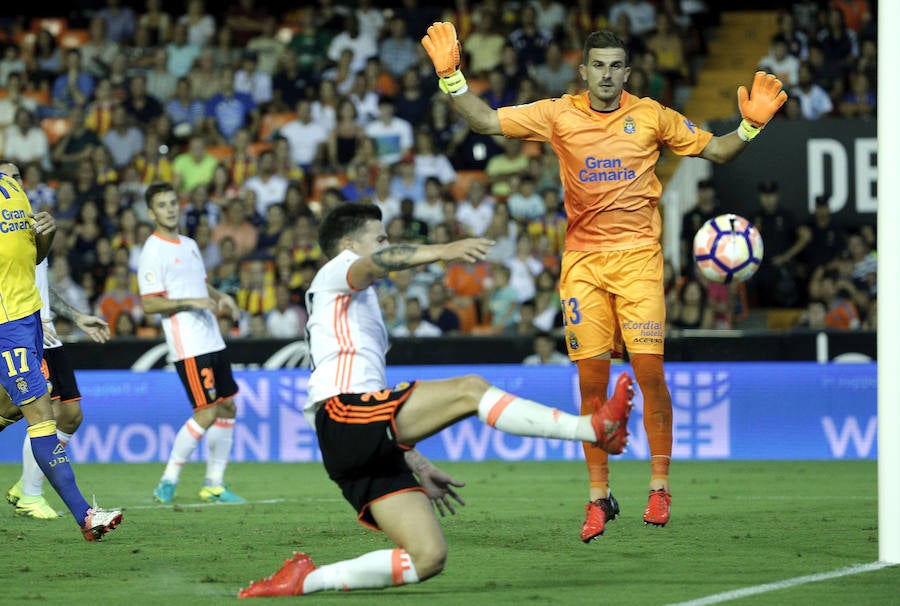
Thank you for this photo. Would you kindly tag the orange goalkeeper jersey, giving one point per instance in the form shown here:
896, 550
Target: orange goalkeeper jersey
607, 162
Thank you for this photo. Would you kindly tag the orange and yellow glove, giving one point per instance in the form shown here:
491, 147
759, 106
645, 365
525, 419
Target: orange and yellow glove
444, 50
759, 105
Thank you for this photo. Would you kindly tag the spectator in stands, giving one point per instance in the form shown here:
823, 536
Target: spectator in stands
45, 61
781, 62
504, 170
666, 43
524, 267
428, 162
267, 45
120, 21
76, 144
359, 185
545, 352
552, 223
840, 44
775, 283
499, 92
181, 52
41, 194
838, 293
827, 239
186, 111
641, 15
813, 317
24, 141
438, 312
528, 42
14, 99
814, 100
405, 183
430, 209
256, 294
286, 320
859, 102
525, 204
360, 42
119, 298
692, 309
485, 44
398, 50
201, 26
555, 75
194, 166
62, 282
502, 300
156, 21
200, 210
393, 136
389, 312
547, 306
236, 225
307, 138
550, 16
123, 140
270, 188
796, 38
229, 110
152, 164
142, 108
345, 137
225, 276
706, 208
98, 52
865, 262
411, 103
250, 79
476, 210
66, 208
828, 75
74, 86
383, 198
307, 50
246, 19
416, 324
209, 250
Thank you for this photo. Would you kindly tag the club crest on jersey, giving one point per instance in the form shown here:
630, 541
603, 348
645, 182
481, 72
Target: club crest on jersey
22, 384
573, 340
630, 126
150, 277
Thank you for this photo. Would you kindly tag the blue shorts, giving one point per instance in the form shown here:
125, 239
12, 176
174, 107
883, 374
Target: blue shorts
21, 355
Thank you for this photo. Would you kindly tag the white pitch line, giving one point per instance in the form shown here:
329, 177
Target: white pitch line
186, 505
727, 596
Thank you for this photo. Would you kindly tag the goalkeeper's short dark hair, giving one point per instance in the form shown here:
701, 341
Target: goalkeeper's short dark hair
604, 38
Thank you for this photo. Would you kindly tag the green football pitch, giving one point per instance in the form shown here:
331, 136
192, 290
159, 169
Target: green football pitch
763, 530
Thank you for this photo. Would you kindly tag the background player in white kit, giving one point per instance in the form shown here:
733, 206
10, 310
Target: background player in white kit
367, 431
26, 494
172, 282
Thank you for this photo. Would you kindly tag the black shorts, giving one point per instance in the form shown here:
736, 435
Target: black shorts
207, 378
357, 435
60, 375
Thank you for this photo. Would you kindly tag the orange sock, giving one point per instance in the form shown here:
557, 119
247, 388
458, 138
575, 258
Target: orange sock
593, 380
648, 371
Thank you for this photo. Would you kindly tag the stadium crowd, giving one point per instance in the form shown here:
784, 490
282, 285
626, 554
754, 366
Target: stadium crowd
264, 121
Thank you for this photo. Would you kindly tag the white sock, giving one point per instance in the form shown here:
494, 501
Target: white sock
32, 476
376, 569
185, 442
522, 417
64, 438
219, 438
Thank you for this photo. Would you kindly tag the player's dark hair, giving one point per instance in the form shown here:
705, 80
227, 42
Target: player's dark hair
604, 39
344, 220
155, 188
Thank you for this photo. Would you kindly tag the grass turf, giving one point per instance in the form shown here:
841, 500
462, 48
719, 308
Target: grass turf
734, 525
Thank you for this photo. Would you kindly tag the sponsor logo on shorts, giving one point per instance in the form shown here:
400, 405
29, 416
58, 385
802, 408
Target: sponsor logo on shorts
648, 332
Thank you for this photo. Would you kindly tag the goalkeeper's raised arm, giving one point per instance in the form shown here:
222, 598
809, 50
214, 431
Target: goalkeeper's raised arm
445, 49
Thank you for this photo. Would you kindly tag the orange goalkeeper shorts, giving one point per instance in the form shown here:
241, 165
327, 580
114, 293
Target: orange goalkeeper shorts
605, 291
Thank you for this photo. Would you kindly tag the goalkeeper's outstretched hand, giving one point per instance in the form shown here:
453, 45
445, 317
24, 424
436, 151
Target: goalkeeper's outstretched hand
442, 47
444, 50
764, 99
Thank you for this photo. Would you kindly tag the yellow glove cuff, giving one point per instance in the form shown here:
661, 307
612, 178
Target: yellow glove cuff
747, 131
454, 84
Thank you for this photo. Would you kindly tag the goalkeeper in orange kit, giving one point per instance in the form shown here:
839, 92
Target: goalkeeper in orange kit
611, 282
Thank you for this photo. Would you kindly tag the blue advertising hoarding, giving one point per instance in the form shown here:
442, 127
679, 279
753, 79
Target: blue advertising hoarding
741, 411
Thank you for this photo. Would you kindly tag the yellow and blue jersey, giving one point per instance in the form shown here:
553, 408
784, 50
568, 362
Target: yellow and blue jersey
19, 295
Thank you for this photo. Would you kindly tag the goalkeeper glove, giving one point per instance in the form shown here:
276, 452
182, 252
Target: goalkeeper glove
444, 49
760, 104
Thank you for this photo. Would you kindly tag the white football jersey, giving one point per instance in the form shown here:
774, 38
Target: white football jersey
43, 284
174, 269
346, 334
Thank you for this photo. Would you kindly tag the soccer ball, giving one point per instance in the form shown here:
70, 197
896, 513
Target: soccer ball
727, 249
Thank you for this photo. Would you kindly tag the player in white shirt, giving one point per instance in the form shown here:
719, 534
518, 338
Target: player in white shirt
367, 430
26, 494
172, 283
